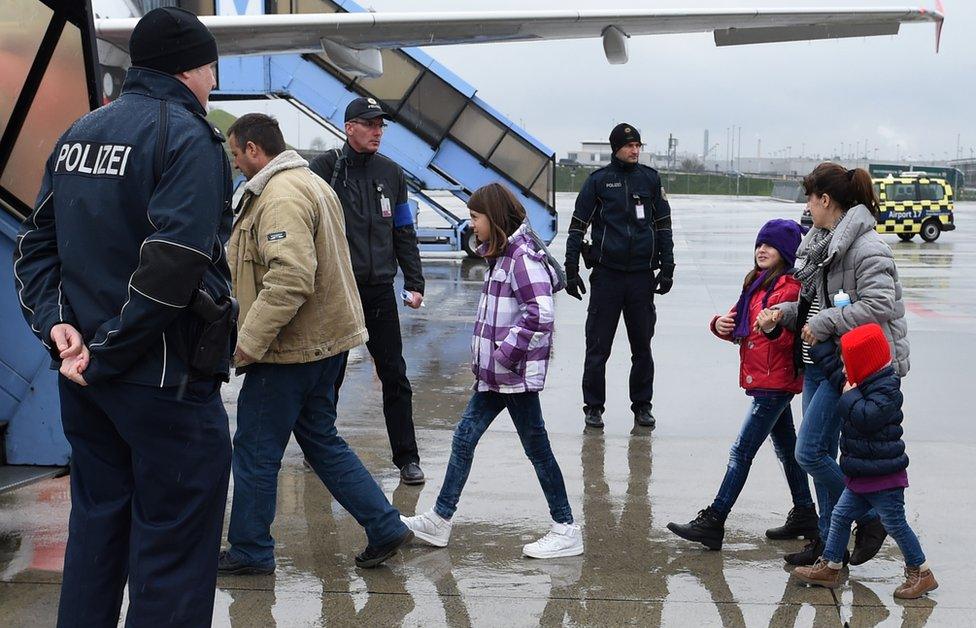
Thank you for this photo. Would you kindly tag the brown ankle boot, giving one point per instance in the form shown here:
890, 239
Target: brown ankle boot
917, 583
820, 574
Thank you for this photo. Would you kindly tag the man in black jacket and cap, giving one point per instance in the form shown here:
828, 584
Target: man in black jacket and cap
628, 212
121, 268
381, 235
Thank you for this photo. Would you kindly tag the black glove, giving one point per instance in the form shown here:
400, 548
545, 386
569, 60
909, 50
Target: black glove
574, 283
664, 280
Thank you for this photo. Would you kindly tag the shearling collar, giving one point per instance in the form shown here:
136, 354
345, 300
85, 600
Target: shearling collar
286, 160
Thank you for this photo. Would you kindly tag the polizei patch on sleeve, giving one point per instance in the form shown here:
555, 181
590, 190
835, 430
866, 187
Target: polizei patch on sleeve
277, 235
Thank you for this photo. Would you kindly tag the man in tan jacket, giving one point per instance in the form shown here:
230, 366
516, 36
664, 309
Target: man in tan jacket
300, 313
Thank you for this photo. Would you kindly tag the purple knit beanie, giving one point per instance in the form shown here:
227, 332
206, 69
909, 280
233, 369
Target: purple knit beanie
784, 236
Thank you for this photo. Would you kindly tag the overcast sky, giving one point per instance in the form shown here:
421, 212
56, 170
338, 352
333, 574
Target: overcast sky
893, 92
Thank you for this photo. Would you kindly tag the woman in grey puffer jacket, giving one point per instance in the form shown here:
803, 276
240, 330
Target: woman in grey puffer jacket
842, 252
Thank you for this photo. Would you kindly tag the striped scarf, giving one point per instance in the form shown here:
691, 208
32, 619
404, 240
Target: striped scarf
809, 268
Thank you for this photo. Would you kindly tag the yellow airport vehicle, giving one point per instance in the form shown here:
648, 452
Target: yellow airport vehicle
914, 203
911, 203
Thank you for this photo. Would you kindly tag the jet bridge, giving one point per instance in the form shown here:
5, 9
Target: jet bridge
444, 136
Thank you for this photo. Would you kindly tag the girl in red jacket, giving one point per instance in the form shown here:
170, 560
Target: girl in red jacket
768, 375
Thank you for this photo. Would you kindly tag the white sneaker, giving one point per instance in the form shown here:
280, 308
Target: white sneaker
562, 540
429, 527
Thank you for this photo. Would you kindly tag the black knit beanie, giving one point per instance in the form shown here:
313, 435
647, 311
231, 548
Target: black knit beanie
623, 134
171, 40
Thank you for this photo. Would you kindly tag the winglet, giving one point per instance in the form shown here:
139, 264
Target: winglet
940, 20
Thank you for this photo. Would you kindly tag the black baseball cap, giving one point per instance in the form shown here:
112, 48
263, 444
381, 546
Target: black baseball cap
365, 109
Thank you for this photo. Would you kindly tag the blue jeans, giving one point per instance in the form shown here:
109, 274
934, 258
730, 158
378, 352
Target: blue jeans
890, 506
526, 413
768, 417
276, 400
817, 443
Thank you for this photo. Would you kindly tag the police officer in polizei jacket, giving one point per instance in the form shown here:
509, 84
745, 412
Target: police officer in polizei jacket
628, 214
381, 235
121, 273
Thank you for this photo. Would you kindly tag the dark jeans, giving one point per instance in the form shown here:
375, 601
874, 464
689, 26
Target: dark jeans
149, 471
768, 417
385, 345
526, 413
817, 443
890, 506
275, 401
613, 292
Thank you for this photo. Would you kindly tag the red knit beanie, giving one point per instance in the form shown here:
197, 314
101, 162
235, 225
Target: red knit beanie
865, 351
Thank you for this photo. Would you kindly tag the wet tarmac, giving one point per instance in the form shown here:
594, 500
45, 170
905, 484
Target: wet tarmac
624, 484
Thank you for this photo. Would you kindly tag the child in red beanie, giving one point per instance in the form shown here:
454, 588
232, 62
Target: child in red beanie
872, 457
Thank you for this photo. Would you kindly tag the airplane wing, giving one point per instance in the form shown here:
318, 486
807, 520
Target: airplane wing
307, 33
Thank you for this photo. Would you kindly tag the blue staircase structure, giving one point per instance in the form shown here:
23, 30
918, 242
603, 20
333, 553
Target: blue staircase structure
444, 137
49, 45
28, 388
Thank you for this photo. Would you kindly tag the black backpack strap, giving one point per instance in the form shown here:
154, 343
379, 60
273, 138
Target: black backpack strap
335, 167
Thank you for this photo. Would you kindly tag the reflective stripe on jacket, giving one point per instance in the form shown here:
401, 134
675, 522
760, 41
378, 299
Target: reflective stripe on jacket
131, 221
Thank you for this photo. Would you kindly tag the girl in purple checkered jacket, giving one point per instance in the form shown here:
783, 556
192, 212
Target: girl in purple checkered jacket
509, 357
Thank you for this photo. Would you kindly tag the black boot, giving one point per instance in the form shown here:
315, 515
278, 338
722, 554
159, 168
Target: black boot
643, 416
801, 523
868, 539
228, 565
806, 556
375, 555
411, 473
810, 553
593, 417
708, 528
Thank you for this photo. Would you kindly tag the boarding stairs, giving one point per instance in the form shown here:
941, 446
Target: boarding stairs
445, 136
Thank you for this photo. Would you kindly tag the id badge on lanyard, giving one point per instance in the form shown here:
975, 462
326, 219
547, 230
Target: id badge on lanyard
385, 208
638, 207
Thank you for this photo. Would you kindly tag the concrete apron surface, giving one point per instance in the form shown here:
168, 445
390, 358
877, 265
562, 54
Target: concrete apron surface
625, 484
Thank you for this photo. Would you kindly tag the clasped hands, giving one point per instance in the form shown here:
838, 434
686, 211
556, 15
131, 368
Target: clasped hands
766, 320
73, 352
770, 317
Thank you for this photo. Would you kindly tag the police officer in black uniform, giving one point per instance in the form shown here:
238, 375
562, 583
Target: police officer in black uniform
630, 217
381, 235
121, 274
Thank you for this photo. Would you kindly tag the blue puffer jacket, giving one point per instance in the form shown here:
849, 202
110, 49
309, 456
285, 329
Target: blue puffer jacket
871, 434
826, 355
130, 223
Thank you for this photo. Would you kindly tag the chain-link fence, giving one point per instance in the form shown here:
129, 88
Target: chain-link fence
571, 178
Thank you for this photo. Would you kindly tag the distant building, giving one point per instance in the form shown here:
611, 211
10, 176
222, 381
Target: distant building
592, 154
598, 154
968, 169
776, 166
